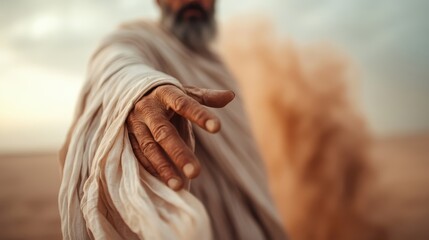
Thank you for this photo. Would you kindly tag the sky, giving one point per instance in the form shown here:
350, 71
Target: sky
45, 46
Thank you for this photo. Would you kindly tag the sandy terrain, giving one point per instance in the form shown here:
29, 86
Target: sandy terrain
28, 197
400, 192
29, 185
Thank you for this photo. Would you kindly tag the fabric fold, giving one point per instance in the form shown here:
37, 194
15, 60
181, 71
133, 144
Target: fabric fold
106, 194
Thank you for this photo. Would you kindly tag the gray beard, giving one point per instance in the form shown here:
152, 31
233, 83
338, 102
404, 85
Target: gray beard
196, 35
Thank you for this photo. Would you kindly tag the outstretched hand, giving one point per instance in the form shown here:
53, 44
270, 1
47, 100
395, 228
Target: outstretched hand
156, 141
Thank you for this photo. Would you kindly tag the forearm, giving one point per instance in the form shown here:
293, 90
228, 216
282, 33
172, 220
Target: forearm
125, 66
116, 70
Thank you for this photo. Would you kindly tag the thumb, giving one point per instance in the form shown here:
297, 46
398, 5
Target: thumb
209, 97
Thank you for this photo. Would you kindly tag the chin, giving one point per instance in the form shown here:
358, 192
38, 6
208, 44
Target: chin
195, 34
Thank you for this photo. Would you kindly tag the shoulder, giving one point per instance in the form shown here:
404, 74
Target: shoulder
139, 25
145, 29
140, 32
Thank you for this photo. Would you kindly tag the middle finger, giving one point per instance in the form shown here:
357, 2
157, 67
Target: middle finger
169, 139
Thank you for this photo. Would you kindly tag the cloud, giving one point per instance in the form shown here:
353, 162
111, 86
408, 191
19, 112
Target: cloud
388, 39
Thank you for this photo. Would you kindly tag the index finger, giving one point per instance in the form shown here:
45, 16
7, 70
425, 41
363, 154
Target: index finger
189, 108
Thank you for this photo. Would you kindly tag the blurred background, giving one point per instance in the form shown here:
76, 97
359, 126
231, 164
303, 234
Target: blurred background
45, 46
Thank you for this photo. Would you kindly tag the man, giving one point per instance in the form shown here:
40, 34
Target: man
135, 108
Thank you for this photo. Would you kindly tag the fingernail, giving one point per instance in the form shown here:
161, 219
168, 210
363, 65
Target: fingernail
189, 170
211, 125
173, 183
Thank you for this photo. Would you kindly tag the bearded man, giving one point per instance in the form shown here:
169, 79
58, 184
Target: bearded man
143, 130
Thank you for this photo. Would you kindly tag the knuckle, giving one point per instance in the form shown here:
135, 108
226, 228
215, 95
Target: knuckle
162, 90
179, 156
137, 126
195, 93
204, 96
143, 104
180, 104
148, 147
131, 118
161, 132
164, 169
200, 114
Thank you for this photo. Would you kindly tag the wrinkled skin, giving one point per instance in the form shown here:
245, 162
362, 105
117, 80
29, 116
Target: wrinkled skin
155, 138
156, 141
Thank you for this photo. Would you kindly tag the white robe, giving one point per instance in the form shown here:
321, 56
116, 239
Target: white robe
106, 194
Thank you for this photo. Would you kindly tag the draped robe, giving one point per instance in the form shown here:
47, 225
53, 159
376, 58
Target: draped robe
106, 194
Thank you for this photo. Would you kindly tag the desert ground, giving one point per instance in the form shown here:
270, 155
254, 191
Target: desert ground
313, 142
28, 197
29, 186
